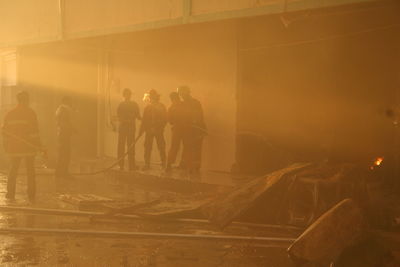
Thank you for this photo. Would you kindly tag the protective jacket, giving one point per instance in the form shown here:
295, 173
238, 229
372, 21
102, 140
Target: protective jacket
154, 118
176, 116
128, 112
20, 132
193, 118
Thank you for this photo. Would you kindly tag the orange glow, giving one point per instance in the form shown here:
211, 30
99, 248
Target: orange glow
377, 162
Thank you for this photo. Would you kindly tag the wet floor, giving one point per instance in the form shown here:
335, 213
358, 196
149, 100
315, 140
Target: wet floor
72, 250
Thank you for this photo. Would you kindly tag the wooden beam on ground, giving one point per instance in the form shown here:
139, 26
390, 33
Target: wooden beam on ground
61, 212
231, 205
116, 234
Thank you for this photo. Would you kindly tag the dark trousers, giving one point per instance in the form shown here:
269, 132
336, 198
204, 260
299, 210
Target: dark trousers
148, 145
126, 138
30, 173
176, 141
192, 150
64, 155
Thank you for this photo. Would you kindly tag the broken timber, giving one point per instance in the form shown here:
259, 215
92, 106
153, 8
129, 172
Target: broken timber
129, 217
182, 206
87, 202
228, 207
339, 228
155, 181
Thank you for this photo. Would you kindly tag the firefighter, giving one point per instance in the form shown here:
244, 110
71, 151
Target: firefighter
65, 129
194, 130
153, 123
175, 118
21, 141
127, 112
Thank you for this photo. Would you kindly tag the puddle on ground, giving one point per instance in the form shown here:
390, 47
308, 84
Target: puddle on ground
67, 250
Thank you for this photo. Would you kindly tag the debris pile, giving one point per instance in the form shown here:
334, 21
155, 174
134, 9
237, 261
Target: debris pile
243, 202
341, 237
339, 203
341, 227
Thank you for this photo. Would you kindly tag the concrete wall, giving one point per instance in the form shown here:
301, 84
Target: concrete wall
316, 86
95, 15
37, 21
8, 77
215, 6
28, 21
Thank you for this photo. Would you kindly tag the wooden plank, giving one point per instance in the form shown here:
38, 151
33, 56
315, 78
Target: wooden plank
227, 207
88, 202
339, 228
132, 208
173, 207
156, 182
60, 212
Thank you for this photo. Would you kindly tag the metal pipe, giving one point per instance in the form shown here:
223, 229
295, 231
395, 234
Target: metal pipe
144, 235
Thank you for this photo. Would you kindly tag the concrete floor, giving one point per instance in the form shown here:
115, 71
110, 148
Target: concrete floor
67, 250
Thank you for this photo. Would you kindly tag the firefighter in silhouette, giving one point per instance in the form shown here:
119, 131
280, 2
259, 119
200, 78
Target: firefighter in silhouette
128, 112
153, 124
175, 118
65, 129
21, 141
194, 130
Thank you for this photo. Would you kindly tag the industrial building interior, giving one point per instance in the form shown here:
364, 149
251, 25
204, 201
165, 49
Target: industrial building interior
300, 150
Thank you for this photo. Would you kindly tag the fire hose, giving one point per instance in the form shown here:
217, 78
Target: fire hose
132, 146
45, 156
44, 153
115, 163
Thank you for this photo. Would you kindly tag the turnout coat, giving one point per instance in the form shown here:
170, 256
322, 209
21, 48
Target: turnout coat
20, 132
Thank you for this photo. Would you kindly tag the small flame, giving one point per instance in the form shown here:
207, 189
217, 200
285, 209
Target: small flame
377, 162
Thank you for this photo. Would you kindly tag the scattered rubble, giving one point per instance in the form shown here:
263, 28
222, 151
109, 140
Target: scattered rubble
341, 238
339, 203
323, 242
227, 207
